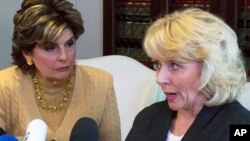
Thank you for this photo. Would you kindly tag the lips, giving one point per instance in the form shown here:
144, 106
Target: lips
62, 69
171, 96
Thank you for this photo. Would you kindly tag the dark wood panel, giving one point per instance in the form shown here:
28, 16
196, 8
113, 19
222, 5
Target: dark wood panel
157, 7
108, 27
226, 9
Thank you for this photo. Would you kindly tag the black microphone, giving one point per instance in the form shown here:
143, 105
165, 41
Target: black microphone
85, 129
2, 132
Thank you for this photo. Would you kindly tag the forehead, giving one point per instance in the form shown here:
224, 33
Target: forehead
65, 35
59, 36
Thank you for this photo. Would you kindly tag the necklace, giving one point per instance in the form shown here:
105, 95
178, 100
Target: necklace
42, 101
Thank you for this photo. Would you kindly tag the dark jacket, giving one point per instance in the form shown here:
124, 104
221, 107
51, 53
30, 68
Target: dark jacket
211, 124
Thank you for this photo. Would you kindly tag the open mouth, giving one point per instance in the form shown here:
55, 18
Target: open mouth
171, 96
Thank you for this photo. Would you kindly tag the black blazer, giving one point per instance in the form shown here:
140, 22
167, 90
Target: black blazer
211, 124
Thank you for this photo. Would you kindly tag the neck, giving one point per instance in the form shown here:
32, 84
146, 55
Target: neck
191, 113
41, 88
52, 82
192, 110
185, 117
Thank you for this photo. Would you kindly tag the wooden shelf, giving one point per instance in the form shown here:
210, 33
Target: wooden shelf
120, 24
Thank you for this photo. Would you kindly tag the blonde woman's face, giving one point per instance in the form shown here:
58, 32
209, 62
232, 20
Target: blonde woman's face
55, 62
180, 82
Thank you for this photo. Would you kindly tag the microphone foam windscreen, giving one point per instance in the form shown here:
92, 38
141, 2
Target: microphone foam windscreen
36, 131
8, 137
85, 129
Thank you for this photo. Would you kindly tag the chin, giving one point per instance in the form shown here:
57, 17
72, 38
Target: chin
62, 76
174, 106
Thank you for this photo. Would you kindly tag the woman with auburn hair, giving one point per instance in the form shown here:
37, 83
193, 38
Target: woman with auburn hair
45, 82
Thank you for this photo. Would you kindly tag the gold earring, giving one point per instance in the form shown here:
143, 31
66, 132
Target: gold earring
29, 62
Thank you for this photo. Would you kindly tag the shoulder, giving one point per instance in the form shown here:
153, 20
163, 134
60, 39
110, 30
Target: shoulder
96, 78
216, 120
152, 111
230, 113
155, 107
157, 117
10, 80
92, 71
9, 70
235, 110
10, 73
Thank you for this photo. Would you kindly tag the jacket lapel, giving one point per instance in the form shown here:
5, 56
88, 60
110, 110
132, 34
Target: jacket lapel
205, 116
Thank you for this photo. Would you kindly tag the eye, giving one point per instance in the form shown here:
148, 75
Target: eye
156, 65
50, 47
71, 42
174, 65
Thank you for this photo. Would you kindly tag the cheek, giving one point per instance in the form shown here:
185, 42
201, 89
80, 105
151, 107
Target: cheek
72, 56
186, 84
72, 53
43, 62
193, 84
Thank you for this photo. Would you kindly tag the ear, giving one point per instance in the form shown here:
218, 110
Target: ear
26, 54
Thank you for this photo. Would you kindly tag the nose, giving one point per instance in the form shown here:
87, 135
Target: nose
62, 55
163, 76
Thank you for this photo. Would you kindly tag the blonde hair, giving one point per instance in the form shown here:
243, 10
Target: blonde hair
196, 35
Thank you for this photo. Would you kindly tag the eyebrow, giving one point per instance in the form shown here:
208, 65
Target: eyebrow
55, 43
73, 37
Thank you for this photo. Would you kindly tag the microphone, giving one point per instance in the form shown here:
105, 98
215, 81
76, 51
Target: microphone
8, 137
2, 132
85, 129
36, 131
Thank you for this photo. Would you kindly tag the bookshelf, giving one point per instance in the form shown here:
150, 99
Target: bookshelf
125, 21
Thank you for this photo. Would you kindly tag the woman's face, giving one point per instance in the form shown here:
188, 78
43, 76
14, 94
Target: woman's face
55, 62
180, 82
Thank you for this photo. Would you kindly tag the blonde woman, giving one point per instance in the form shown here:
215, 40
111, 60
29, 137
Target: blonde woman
200, 69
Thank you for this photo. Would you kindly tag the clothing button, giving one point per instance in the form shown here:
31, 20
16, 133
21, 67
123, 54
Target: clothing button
53, 139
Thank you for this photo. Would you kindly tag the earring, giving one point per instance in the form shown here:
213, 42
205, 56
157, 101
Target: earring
29, 62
